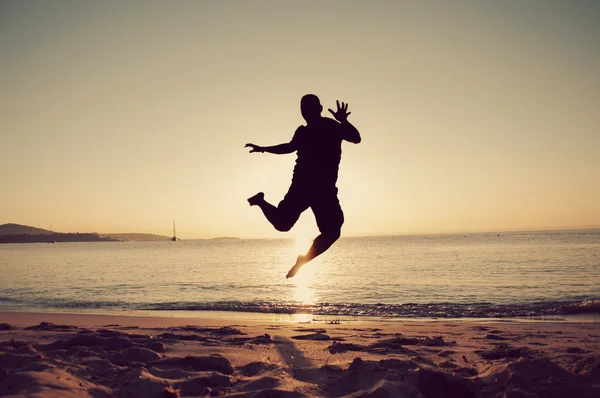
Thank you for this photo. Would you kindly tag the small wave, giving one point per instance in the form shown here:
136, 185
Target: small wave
409, 310
583, 307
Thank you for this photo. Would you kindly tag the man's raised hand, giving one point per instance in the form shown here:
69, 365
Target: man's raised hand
341, 115
255, 148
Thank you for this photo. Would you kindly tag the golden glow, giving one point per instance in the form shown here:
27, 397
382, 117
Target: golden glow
303, 291
472, 119
293, 318
302, 243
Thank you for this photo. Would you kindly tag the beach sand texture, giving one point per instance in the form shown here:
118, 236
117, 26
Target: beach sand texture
54, 355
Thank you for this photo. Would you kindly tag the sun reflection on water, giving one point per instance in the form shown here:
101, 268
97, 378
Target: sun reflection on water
303, 291
303, 281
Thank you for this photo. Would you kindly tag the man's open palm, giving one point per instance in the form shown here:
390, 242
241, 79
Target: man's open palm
342, 113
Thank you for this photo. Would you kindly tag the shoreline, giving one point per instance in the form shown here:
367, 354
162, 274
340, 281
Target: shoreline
225, 317
100, 355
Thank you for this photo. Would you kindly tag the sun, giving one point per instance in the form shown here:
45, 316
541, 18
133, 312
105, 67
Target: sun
302, 244
304, 234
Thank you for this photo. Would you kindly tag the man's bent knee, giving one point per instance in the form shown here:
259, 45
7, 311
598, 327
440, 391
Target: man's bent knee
283, 226
332, 236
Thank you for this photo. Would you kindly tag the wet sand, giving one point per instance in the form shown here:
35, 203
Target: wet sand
63, 355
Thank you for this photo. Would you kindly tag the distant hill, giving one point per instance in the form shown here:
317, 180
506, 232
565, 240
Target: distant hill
16, 233
54, 238
136, 237
17, 229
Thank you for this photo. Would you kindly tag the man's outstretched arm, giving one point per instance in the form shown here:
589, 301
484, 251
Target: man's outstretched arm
349, 132
280, 149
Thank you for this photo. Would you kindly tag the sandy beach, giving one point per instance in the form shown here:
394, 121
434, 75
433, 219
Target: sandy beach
63, 355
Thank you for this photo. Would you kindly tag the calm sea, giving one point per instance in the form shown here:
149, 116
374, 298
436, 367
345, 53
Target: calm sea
476, 275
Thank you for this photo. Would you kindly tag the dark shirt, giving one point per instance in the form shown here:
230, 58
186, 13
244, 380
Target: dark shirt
319, 149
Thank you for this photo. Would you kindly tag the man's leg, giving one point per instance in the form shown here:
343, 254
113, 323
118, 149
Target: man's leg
270, 211
319, 246
330, 218
284, 216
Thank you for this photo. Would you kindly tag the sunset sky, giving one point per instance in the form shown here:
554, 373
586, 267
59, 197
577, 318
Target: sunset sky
123, 116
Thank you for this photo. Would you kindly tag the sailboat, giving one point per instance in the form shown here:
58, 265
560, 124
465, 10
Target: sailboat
174, 238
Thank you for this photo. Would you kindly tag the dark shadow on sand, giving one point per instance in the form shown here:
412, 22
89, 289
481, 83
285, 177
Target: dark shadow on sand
292, 357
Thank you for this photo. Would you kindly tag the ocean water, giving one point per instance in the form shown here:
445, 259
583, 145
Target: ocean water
476, 275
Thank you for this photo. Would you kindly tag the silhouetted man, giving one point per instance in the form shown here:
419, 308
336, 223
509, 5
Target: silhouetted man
319, 149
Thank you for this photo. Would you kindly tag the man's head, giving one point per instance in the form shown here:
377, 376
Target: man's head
311, 107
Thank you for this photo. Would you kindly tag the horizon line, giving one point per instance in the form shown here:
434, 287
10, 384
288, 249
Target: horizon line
502, 230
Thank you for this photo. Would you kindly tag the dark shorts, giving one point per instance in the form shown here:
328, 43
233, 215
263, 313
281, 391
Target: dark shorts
323, 202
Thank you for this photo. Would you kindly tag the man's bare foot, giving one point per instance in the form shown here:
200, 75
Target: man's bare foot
299, 263
256, 199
